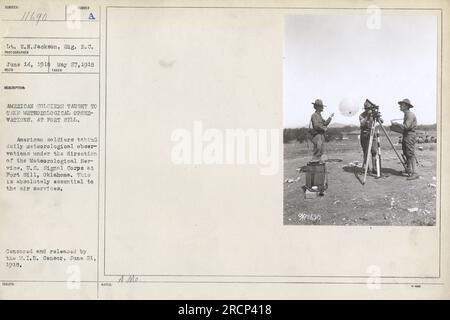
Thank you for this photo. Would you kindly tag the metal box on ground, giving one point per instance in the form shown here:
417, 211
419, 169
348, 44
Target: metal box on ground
310, 194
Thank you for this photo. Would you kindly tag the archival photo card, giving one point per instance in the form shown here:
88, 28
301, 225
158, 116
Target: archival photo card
221, 149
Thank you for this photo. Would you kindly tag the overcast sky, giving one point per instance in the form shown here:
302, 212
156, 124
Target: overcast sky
335, 57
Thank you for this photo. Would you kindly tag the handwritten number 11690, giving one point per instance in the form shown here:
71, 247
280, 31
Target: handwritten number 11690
34, 16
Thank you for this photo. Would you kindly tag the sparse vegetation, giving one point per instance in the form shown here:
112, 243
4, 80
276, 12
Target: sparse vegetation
336, 133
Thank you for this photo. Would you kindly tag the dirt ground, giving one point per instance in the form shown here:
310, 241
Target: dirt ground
389, 200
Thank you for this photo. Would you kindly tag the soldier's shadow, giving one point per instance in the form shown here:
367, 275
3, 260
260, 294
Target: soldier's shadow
359, 172
392, 172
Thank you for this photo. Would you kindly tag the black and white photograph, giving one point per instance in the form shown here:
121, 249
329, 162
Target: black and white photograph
360, 128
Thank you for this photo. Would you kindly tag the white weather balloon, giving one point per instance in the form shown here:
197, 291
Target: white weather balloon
348, 107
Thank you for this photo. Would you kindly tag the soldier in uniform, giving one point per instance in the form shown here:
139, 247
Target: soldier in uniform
409, 138
365, 122
319, 127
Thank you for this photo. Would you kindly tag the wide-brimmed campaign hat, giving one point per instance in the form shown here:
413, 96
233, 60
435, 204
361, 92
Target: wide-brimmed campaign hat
407, 102
318, 103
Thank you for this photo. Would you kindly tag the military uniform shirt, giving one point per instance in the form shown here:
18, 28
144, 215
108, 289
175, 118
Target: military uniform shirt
365, 123
409, 122
319, 125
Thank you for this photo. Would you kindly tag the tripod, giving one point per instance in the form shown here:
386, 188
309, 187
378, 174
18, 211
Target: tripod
377, 122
